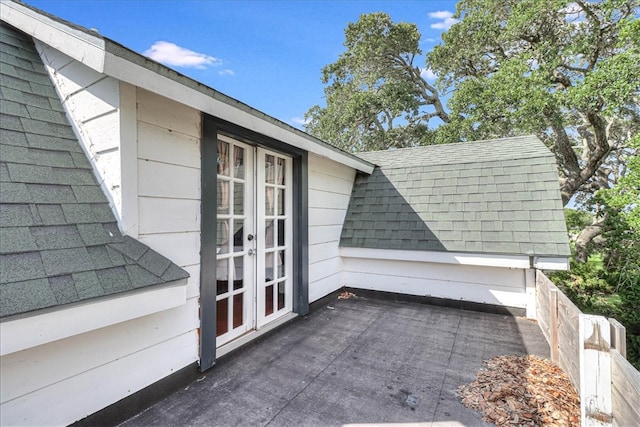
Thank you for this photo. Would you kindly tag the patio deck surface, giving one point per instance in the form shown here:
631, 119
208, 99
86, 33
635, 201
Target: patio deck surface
359, 361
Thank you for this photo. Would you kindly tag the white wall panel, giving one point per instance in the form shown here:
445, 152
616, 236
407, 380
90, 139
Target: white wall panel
323, 251
325, 286
163, 145
157, 110
47, 364
330, 185
159, 215
169, 181
491, 285
328, 200
74, 398
325, 233
96, 99
323, 216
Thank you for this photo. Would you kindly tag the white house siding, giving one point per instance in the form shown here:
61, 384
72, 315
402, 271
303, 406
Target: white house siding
71, 378
169, 182
92, 102
66, 380
492, 285
330, 185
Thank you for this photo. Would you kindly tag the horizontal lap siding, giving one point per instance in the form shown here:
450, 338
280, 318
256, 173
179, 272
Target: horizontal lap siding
69, 379
330, 187
92, 101
169, 195
491, 285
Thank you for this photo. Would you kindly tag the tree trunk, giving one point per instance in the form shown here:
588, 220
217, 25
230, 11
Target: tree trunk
586, 236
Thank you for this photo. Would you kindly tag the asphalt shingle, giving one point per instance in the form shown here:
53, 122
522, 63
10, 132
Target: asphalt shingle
59, 240
498, 197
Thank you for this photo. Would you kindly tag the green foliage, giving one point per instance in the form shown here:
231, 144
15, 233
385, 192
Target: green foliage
576, 220
595, 290
566, 71
609, 282
375, 95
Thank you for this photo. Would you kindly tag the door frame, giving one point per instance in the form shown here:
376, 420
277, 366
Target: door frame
211, 127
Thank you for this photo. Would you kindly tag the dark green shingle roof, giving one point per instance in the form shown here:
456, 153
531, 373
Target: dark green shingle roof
59, 240
496, 197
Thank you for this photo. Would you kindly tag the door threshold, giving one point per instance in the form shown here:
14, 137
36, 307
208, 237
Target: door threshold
252, 335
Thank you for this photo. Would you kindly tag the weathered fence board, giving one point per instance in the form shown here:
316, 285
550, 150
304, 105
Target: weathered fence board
595, 371
618, 337
625, 391
592, 351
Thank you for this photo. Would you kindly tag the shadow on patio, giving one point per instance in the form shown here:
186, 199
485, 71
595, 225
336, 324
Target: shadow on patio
356, 361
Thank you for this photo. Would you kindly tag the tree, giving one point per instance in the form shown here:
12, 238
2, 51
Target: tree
376, 96
568, 72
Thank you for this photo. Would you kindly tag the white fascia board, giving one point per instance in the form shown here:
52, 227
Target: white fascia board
77, 44
486, 260
551, 263
37, 329
144, 78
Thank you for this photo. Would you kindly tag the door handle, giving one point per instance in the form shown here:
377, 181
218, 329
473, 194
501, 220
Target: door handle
251, 252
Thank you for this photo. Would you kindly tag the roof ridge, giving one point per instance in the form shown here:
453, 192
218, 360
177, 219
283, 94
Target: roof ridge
448, 144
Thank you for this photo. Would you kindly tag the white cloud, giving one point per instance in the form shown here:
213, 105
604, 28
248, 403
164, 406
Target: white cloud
227, 72
427, 74
299, 121
169, 53
446, 19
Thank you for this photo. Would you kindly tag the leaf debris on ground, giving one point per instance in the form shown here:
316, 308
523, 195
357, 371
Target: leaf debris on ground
346, 295
523, 391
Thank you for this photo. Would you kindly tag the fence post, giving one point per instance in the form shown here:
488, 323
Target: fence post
530, 284
595, 371
553, 325
618, 337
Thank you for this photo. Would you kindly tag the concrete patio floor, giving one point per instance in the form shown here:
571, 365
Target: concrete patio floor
357, 361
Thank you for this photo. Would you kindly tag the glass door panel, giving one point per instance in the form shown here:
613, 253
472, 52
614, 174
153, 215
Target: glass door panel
274, 280
235, 261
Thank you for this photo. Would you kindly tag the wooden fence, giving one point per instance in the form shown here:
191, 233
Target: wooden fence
592, 351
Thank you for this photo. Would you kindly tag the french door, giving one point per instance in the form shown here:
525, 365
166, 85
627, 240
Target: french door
254, 238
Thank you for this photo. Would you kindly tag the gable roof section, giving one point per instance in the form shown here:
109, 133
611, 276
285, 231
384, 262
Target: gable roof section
59, 240
497, 196
111, 58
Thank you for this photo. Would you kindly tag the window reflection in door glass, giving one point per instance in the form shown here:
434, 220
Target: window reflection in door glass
269, 231
268, 300
238, 278
223, 197
268, 201
222, 236
281, 201
269, 168
238, 198
238, 310
238, 236
281, 236
238, 162
269, 272
222, 313
281, 264
281, 290
281, 171
222, 276
223, 158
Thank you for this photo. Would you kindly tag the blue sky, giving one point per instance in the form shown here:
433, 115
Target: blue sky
268, 54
